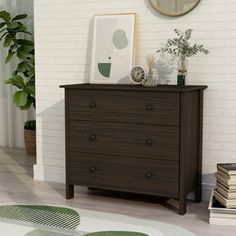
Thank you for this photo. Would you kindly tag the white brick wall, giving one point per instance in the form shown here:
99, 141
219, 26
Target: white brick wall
63, 33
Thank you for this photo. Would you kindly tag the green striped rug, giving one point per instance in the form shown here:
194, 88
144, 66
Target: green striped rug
45, 220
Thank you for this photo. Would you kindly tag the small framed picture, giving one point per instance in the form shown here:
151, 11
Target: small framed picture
113, 49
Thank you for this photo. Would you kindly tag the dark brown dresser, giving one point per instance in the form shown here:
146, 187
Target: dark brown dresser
135, 139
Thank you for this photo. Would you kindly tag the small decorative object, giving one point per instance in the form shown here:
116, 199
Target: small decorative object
138, 74
113, 49
182, 71
181, 47
151, 80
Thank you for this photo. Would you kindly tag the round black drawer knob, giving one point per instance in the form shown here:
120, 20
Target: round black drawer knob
148, 175
92, 137
149, 141
149, 107
92, 105
93, 169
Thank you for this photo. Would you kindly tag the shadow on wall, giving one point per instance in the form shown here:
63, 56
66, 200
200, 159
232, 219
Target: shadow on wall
51, 126
88, 59
165, 68
50, 164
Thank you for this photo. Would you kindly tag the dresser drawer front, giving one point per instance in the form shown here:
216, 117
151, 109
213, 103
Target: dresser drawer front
130, 107
147, 141
131, 174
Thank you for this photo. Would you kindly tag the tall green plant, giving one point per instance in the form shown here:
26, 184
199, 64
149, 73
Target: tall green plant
12, 34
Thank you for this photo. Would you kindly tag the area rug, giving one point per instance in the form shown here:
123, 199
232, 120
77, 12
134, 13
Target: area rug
45, 220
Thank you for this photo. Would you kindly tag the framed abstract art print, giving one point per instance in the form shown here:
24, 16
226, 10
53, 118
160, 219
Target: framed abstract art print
113, 49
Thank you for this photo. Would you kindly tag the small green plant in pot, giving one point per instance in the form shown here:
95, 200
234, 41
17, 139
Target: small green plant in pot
13, 35
181, 48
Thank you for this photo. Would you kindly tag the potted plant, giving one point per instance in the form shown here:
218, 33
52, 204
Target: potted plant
181, 47
13, 33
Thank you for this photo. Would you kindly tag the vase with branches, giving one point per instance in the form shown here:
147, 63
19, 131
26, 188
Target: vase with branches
13, 34
182, 48
151, 63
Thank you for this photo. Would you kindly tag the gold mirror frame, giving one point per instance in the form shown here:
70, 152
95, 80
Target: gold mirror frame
172, 13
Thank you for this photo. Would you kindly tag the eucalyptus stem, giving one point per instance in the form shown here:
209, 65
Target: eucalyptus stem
181, 46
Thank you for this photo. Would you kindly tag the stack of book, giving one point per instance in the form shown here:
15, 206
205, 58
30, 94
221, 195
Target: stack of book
220, 215
225, 191
223, 201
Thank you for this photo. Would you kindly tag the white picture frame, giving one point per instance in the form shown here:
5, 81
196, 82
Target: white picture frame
113, 49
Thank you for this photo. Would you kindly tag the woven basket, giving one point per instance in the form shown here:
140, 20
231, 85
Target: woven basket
30, 142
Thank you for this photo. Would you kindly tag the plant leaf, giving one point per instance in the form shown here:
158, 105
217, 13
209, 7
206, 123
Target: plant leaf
22, 67
27, 48
3, 36
8, 41
2, 30
2, 24
21, 54
31, 72
24, 41
20, 17
9, 56
13, 25
30, 101
31, 90
5, 16
16, 81
20, 98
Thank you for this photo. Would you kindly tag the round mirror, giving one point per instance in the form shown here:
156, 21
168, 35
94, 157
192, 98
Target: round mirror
174, 7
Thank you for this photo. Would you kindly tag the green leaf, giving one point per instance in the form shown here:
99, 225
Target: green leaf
31, 90
16, 81
2, 24
24, 41
21, 54
17, 27
20, 98
2, 30
13, 47
22, 67
21, 27
8, 41
5, 16
9, 56
27, 105
20, 17
13, 25
27, 48
3, 36
31, 72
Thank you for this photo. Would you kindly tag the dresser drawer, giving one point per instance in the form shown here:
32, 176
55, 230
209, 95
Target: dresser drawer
147, 141
124, 106
130, 174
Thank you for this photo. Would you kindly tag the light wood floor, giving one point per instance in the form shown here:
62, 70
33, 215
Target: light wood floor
17, 185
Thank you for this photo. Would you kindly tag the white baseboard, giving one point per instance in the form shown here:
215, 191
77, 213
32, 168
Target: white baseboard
49, 173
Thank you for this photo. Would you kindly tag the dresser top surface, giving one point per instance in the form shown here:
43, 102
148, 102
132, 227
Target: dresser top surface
159, 88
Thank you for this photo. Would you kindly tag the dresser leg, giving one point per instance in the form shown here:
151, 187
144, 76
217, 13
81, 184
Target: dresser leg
182, 206
69, 191
198, 191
